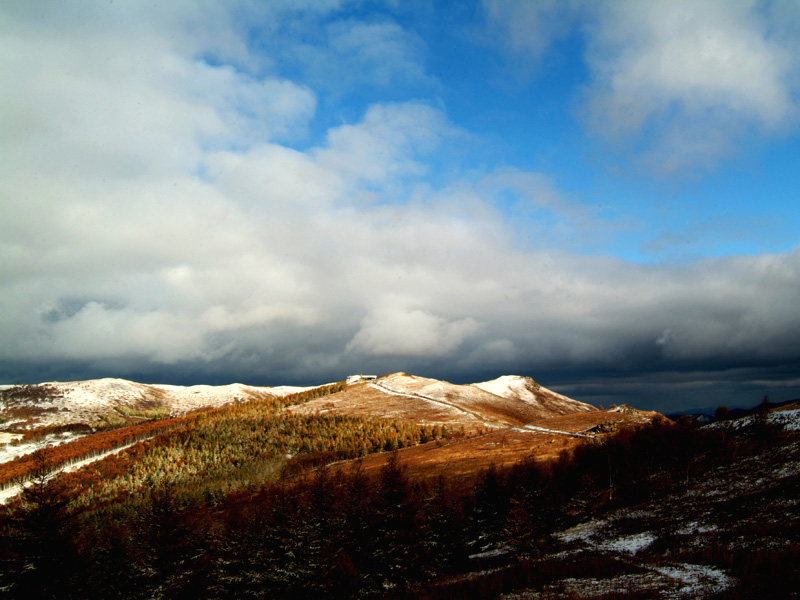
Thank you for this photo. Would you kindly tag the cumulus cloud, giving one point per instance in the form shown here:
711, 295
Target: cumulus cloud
384, 144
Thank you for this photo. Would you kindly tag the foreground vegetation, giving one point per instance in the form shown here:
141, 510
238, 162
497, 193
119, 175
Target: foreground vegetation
173, 527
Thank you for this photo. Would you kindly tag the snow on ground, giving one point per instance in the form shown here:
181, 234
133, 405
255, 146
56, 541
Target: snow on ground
788, 419
507, 401
696, 579
384, 387
630, 544
8, 438
668, 580
694, 527
582, 532
526, 389
537, 429
680, 581
11, 451
12, 491
598, 534
87, 401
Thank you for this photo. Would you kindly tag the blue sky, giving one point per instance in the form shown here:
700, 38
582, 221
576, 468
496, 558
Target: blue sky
601, 195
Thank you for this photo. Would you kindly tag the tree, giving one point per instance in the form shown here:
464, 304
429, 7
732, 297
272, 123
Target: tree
42, 542
396, 535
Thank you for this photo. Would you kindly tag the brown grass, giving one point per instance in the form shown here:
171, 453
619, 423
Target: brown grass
467, 456
484, 446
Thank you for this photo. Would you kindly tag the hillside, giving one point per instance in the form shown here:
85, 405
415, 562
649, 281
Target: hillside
508, 401
61, 412
543, 440
87, 402
256, 500
503, 421
494, 422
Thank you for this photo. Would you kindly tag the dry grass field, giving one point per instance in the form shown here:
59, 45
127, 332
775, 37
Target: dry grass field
502, 447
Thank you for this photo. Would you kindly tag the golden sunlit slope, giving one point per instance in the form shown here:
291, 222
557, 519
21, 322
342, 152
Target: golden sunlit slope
509, 401
541, 440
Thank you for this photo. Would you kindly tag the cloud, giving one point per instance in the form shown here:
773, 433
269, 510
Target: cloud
160, 220
409, 332
676, 85
347, 57
89, 104
530, 28
377, 53
685, 80
383, 145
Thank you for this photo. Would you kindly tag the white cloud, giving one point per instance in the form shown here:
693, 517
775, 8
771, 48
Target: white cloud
142, 224
385, 144
684, 79
676, 83
416, 332
379, 54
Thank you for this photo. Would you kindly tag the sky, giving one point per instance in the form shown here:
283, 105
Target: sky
600, 195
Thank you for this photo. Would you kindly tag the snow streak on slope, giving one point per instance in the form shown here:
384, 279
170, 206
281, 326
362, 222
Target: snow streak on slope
507, 402
12, 491
82, 403
788, 419
384, 387
490, 408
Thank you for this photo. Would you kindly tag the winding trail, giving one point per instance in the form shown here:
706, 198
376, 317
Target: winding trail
536, 429
395, 392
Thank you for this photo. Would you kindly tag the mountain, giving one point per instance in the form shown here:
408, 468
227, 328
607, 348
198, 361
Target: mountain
499, 486
508, 401
92, 401
506, 420
520, 417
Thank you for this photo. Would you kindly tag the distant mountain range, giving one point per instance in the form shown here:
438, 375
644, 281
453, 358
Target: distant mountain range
707, 414
506, 401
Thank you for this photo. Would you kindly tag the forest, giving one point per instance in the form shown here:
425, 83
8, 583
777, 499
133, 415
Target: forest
240, 503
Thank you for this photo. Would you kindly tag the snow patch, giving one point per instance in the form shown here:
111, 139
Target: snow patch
555, 431
697, 579
582, 532
515, 387
630, 544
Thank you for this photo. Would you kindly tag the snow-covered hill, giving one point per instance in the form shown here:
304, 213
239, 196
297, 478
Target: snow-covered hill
550, 403
61, 403
505, 402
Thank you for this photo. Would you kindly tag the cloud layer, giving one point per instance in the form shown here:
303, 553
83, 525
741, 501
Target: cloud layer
166, 215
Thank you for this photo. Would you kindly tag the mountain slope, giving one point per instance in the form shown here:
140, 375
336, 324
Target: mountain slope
509, 401
547, 402
86, 402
